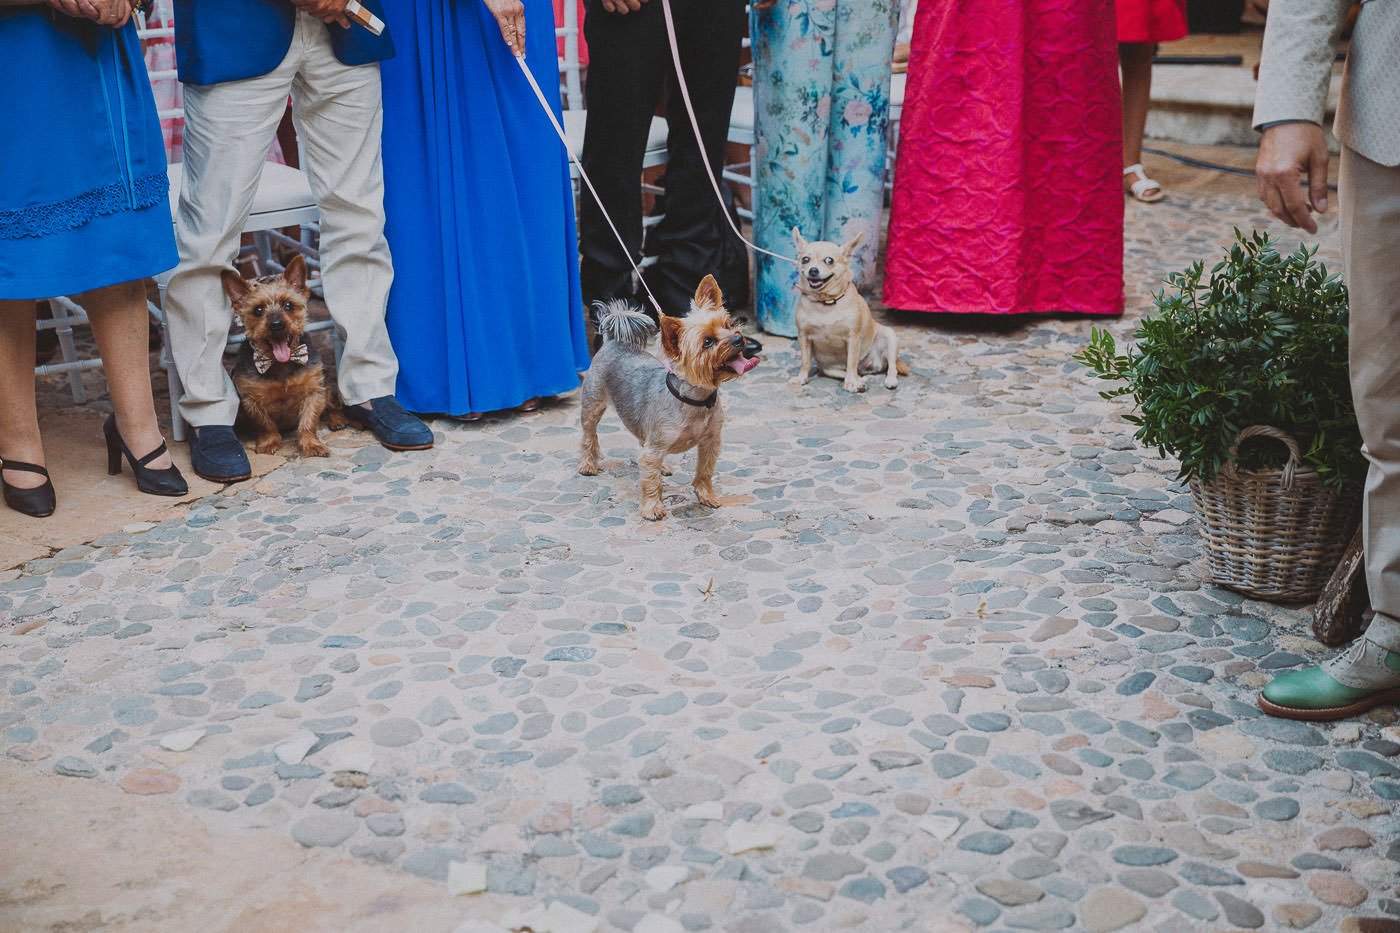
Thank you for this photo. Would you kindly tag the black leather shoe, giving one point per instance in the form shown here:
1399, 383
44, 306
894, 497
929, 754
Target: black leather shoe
166, 482
393, 427
217, 454
38, 502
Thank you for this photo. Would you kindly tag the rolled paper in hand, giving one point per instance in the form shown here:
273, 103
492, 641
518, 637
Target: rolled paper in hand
364, 17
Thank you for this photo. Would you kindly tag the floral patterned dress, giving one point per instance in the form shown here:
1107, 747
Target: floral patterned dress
821, 118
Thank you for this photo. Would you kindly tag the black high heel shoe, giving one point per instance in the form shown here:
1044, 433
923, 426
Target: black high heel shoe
166, 482
38, 502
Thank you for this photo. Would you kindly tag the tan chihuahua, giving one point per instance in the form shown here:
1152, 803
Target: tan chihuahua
834, 323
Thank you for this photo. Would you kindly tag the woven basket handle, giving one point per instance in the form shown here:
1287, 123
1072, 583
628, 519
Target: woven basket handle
1259, 430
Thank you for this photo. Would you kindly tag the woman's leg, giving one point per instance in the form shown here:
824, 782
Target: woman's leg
1135, 58
19, 419
118, 315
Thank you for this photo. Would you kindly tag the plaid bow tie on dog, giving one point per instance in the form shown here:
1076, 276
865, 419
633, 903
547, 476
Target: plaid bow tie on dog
262, 362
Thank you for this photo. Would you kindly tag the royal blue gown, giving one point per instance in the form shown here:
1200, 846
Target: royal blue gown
83, 186
485, 311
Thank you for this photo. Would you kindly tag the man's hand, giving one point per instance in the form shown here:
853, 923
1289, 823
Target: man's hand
510, 16
623, 6
327, 11
1289, 154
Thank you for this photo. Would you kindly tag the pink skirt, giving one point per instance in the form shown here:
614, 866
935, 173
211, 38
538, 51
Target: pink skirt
1008, 192
1151, 20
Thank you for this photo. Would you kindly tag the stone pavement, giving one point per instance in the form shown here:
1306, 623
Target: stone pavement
944, 661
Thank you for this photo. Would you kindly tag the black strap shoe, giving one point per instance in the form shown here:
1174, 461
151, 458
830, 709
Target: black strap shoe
38, 502
166, 482
393, 427
217, 454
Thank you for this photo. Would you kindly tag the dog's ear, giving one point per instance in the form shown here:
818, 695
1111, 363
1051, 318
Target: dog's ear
235, 286
671, 335
797, 241
295, 274
849, 247
708, 294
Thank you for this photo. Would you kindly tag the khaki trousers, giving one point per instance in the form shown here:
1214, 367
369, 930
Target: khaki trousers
229, 130
1370, 227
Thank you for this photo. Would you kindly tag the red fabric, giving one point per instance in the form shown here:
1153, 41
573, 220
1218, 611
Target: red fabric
1151, 20
559, 22
1007, 194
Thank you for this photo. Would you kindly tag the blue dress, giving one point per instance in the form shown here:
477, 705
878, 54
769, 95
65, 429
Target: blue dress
485, 311
82, 162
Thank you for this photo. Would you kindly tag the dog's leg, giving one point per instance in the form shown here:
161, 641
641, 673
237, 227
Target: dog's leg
852, 381
666, 468
804, 374
269, 434
650, 465
311, 409
335, 418
891, 357
592, 404
707, 455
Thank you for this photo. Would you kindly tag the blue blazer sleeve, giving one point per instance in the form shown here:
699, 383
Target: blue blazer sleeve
229, 40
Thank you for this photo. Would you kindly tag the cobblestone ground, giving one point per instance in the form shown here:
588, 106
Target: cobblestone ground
946, 660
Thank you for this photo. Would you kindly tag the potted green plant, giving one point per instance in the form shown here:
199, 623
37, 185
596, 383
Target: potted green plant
1256, 348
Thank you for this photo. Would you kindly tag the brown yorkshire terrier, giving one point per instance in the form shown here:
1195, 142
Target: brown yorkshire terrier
280, 382
669, 408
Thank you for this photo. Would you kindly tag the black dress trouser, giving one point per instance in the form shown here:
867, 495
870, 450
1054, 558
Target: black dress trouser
629, 67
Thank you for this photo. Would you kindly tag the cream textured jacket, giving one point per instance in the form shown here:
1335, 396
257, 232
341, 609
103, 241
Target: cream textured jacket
1299, 47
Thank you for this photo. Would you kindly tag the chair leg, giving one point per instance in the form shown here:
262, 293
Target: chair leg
337, 345
266, 264
69, 348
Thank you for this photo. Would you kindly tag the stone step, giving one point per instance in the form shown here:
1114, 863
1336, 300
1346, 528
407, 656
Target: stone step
1212, 105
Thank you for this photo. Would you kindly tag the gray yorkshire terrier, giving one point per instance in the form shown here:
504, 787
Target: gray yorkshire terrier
669, 407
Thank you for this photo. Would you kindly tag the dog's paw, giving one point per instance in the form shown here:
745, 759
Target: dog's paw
708, 498
588, 469
314, 449
653, 513
798, 381
853, 385
666, 470
268, 445
891, 382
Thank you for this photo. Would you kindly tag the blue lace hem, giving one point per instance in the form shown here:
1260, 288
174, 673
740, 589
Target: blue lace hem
57, 217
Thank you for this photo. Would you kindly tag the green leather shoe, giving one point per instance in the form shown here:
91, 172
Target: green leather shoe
1315, 695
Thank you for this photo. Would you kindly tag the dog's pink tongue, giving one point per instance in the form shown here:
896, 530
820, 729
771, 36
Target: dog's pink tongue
741, 364
281, 351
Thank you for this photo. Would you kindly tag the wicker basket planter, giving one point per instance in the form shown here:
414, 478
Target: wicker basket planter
1273, 534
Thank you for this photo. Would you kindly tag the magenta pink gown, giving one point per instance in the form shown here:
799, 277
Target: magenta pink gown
1008, 192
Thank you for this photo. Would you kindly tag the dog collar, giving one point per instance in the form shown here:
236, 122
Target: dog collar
672, 383
828, 303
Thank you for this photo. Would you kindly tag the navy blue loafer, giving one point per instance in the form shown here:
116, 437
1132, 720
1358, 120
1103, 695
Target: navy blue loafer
217, 454
393, 427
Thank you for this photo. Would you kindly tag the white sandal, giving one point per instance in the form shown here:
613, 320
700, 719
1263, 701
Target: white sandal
1139, 188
